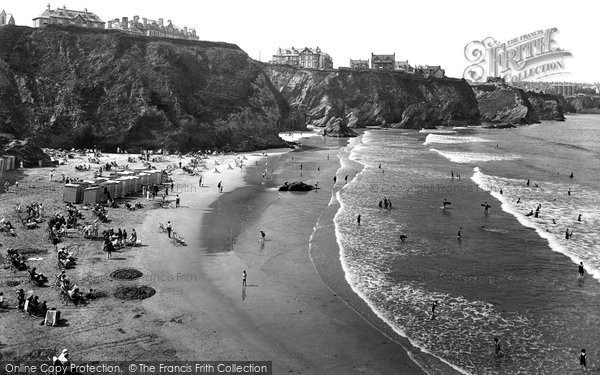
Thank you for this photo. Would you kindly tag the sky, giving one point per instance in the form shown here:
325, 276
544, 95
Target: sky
422, 32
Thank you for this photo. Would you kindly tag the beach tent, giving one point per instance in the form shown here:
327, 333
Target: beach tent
115, 189
125, 186
72, 193
138, 183
91, 195
144, 178
107, 187
12, 160
2, 165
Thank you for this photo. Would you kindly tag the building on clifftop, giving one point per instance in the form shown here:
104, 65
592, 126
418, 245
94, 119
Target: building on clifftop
383, 62
6, 19
359, 64
404, 66
148, 27
428, 71
311, 58
64, 16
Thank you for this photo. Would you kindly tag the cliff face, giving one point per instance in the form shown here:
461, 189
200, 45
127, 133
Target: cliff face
506, 104
584, 103
546, 106
72, 87
361, 98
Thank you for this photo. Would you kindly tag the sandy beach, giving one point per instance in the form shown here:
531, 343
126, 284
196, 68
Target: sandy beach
288, 313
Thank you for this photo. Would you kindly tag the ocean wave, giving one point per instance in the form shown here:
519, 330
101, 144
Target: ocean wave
473, 157
451, 139
564, 210
437, 131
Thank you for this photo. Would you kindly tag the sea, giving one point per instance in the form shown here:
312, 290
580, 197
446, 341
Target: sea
509, 275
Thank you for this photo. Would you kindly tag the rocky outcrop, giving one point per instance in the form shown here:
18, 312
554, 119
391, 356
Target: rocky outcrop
338, 128
28, 152
74, 87
584, 103
500, 103
296, 186
504, 104
362, 98
545, 106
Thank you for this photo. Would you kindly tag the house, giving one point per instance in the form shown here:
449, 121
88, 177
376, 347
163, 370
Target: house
383, 62
311, 58
64, 16
148, 27
430, 71
404, 66
359, 64
6, 19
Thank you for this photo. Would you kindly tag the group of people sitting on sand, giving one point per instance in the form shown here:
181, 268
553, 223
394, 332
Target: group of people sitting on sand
69, 290
82, 167
119, 238
100, 211
66, 259
36, 277
16, 259
31, 304
7, 227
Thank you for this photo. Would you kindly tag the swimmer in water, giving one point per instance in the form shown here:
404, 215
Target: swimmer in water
553, 221
582, 360
403, 237
497, 348
527, 182
571, 176
567, 234
569, 192
579, 218
530, 213
445, 203
433, 306
501, 191
518, 200
482, 228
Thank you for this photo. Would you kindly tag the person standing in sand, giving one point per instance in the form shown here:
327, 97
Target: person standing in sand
580, 270
244, 276
459, 234
177, 201
169, 229
358, 220
498, 348
433, 306
582, 360
262, 236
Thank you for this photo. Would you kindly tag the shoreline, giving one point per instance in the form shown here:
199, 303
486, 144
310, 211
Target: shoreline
291, 272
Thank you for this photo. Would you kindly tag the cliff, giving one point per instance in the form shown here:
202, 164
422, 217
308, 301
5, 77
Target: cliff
349, 98
74, 87
584, 103
505, 104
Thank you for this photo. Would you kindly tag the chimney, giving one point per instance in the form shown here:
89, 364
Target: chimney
145, 21
85, 11
109, 25
169, 23
48, 6
125, 23
136, 19
185, 30
160, 22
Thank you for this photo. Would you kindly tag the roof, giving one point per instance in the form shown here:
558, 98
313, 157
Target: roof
70, 14
382, 58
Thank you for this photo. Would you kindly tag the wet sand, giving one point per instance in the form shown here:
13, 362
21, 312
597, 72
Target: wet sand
288, 313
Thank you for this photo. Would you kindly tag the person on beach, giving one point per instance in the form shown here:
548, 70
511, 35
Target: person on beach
433, 306
327, 156
498, 348
486, 207
169, 229
346, 179
358, 220
569, 192
300, 166
580, 270
452, 174
445, 203
501, 191
582, 360
200, 182
262, 236
381, 204
109, 248
318, 169
527, 183
530, 213
518, 200
571, 176
385, 203
177, 201
219, 187
567, 234
244, 276
579, 218
334, 179
459, 234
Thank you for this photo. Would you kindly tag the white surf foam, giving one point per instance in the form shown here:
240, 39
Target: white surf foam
451, 139
473, 157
